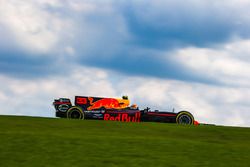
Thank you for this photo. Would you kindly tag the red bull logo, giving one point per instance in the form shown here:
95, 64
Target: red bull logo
107, 103
123, 117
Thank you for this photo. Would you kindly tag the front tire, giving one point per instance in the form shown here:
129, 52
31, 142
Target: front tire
75, 113
185, 117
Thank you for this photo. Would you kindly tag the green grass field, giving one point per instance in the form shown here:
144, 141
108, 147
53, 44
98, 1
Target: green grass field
36, 142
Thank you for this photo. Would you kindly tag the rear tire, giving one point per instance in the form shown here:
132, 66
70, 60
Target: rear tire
185, 117
75, 113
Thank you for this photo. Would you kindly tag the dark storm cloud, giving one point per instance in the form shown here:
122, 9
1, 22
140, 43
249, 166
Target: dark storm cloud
146, 64
181, 24
163, 29
20, 64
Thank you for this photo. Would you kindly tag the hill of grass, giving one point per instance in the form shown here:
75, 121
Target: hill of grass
28, 141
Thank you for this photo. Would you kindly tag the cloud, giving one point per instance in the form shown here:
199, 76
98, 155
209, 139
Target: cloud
228, 64
166, 24
147, 64
135, 38
155, 36
57, 31
34, 29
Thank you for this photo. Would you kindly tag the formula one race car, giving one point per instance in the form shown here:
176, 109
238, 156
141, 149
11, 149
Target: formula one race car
116, 109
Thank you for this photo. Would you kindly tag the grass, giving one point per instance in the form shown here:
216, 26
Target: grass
29, 141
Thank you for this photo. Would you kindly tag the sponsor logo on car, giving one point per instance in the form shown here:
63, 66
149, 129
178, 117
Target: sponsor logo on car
123, 117
107, 103
63, 107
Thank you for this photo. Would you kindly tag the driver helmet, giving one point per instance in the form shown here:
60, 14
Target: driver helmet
134, 106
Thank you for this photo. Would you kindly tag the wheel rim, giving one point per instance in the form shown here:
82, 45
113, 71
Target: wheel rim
75, 114
185, 119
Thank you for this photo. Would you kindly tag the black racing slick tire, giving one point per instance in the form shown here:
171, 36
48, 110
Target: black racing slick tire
75, 113
185, 117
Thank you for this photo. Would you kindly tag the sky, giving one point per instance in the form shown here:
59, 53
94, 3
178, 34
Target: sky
183, 54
